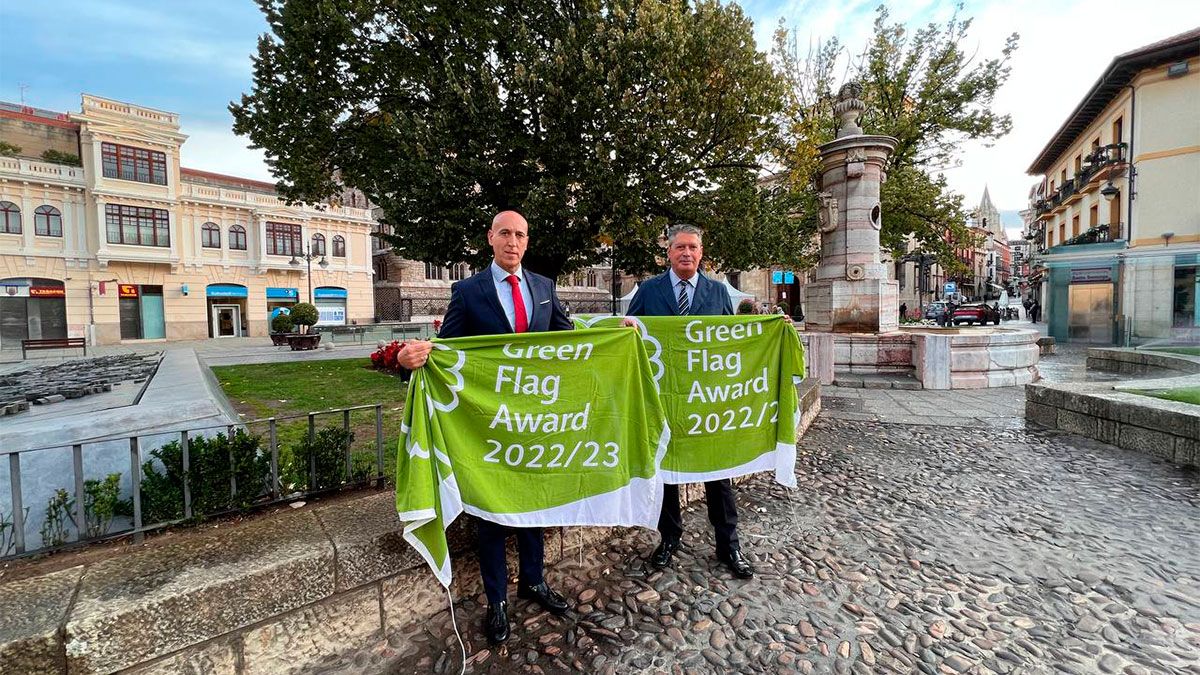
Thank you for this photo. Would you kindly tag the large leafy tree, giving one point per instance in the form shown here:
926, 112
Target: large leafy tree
600, 120
921, 87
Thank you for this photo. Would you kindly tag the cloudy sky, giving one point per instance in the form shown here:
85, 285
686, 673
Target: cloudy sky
193, 58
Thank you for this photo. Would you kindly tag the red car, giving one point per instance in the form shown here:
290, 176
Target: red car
975, 314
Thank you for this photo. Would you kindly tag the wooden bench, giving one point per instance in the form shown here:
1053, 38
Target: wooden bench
53, 343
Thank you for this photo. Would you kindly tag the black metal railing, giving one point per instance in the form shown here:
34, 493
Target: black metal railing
192, 473
1103, 157
1096, 235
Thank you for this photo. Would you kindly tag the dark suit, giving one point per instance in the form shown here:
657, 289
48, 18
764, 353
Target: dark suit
657, 297
475, 309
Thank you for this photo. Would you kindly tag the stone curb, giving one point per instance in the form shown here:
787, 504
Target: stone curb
1113, 414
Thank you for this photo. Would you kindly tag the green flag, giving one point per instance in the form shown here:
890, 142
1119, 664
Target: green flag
727, 385
537, 429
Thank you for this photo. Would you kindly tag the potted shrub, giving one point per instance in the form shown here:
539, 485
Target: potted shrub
304, 315
281, 325
745, 307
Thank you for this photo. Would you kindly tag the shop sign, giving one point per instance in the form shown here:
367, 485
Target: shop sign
127, 291
14, 291
777, 277
47, 292
1091, 276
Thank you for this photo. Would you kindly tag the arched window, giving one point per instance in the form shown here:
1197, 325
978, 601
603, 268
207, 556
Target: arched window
591, 278
47, 221
460, 271
210, 235
339, 246
10, 218
237, 238
318, 244
433, 271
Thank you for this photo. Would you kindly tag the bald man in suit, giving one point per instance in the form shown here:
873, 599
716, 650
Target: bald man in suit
504, 298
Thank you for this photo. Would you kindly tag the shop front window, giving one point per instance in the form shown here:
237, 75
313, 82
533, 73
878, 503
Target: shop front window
1184, 307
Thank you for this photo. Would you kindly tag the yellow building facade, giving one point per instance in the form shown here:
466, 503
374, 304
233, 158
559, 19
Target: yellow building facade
131, 246
1116, 225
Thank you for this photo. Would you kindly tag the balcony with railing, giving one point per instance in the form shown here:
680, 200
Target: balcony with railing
1099, 164
36, 170
247, 198
1100, 234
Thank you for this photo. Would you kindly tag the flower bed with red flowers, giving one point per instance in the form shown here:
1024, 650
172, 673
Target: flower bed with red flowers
384, 358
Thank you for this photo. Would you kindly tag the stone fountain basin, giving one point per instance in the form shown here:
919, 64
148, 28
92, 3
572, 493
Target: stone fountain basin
939, 358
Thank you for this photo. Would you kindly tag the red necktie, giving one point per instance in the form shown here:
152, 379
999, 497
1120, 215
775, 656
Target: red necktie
519, 321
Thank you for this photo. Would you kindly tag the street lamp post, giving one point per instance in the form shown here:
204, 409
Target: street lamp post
307, 256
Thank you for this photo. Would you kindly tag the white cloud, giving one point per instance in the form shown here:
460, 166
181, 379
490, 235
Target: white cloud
212, 147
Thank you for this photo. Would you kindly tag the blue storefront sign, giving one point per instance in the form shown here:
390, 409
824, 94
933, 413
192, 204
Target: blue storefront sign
789, 277
226, 291
328, 292
282, 293
777, 277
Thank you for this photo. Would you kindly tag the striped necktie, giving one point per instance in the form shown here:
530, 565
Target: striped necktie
684, 305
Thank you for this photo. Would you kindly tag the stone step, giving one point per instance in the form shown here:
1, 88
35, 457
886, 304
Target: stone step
875, 381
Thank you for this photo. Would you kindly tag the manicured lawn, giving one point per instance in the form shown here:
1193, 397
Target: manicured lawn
1185, 395
288, 389
1188, 351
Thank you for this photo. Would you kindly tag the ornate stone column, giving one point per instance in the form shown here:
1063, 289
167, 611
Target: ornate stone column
852, 293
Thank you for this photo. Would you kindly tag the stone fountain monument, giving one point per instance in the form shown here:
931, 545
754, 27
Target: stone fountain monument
852, 293
852, 332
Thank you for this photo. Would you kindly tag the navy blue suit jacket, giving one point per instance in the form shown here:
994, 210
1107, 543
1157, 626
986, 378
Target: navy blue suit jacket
656, 297
475, 308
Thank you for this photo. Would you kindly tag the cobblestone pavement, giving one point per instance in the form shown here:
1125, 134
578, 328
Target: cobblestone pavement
906, 548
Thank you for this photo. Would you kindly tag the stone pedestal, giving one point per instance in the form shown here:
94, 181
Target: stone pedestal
845, 306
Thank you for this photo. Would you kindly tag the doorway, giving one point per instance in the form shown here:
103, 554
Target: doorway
1090, 317
227, 321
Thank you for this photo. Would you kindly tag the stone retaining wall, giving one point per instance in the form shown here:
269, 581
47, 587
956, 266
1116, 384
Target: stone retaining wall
280, 594
1115, 415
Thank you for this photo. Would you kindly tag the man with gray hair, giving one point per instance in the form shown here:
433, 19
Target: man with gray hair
683, 290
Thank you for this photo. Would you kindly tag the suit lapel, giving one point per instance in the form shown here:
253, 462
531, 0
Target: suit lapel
668, 293
487, 286
535, 299
702, 288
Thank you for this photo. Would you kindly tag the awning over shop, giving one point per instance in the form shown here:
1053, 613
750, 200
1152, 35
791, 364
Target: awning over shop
282, 293
329, 293
226, 291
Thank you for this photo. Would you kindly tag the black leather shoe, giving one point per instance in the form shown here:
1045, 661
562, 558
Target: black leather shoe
737, 563
496, 623
662, 555
542, 594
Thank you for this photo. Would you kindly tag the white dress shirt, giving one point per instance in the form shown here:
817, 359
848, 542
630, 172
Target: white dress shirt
504, 292
691, 287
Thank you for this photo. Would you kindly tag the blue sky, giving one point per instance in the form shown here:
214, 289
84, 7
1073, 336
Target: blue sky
193, 58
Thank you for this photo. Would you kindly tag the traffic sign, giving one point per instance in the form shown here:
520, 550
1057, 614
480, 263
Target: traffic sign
950, 288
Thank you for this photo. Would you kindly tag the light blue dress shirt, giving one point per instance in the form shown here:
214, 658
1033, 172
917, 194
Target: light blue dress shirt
504, 292
691, 287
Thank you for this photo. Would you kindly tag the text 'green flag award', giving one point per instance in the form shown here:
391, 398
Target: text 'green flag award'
727, 385
531, 430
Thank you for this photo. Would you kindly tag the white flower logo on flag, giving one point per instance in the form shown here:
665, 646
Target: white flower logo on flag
454, 372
